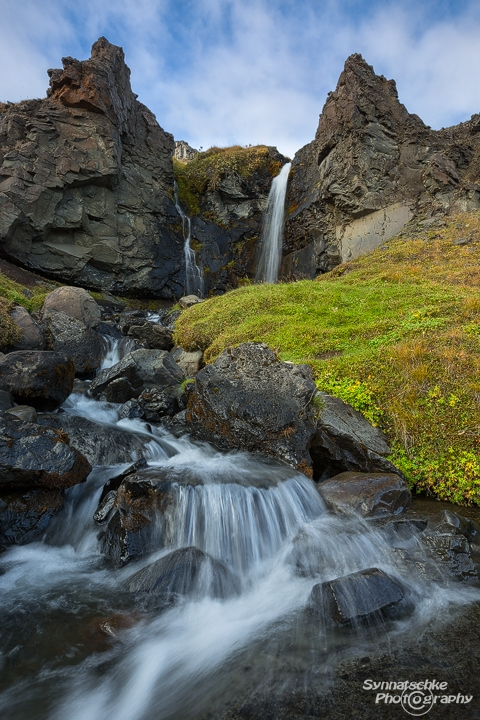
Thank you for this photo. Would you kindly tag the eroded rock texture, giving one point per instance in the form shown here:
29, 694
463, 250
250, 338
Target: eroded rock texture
370, 168
86, 182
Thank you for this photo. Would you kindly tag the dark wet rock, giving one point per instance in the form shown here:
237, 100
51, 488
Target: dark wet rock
371, 167
132, 530
129, 410
88, 179
184, 572
190, 362
370, 494
76, 303
101, 444
23, 412
33, 337
67, 335
345, 441
452, 551
156, 404
354, 599
188, 300
39, 378
249, 399
24, 516
155, 337
105, 508
140, 369
32, 456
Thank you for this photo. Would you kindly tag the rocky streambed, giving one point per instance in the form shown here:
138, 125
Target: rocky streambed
147, 573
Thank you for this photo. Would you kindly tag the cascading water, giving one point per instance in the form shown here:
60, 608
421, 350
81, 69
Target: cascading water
266, 523
195, 284
271, 237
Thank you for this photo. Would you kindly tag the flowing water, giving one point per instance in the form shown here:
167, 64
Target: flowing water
263, 520
195, 284
271, 237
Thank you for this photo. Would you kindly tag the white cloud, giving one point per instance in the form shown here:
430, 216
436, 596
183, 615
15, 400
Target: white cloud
248, 71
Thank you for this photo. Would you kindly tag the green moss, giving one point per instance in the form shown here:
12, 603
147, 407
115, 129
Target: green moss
207, 169
396, 334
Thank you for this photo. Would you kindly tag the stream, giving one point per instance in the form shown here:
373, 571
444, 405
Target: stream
74, 644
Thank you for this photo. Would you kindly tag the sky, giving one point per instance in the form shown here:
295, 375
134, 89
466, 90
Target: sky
223, 72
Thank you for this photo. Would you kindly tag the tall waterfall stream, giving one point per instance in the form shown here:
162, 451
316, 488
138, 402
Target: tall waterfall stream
194, 279
258, 517
271, 237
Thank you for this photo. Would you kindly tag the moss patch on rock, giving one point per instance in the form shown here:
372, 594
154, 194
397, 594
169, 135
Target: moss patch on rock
396, 334
205, 172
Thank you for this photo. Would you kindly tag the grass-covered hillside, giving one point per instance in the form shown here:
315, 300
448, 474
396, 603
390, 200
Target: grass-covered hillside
395, 333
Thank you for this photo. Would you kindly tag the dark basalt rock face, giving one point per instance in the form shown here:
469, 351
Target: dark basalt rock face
86, 183
248, 399
370, 168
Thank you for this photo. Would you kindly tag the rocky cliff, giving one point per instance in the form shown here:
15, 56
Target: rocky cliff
225, 190
371, 167
86, 183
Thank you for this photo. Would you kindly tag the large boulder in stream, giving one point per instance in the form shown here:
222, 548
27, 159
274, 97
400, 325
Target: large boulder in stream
32, 456
362, 597
39, 378
369, 494
137, 371
33, 336
73, 338
250, 400
183, 572
345, 441
101, 444
76, 303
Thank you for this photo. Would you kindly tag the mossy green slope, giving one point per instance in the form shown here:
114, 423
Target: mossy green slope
395, 333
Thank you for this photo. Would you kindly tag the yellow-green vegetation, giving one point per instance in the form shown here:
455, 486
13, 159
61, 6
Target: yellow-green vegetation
31, 298
10, 333
395, 333
207, 169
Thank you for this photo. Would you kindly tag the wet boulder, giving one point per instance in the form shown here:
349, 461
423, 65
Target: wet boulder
39, 378
248, 399
184, 572
32, 456
101, 444
359, 598
76, 303
151, 405
369, 494
24, 412
6, 400
25, 515
73, 338
451, 551
33, 336
137, 371
135, 527
155, 337
346, 441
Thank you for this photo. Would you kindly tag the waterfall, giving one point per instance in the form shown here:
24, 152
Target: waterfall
193, 273
272, 231
268, 527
